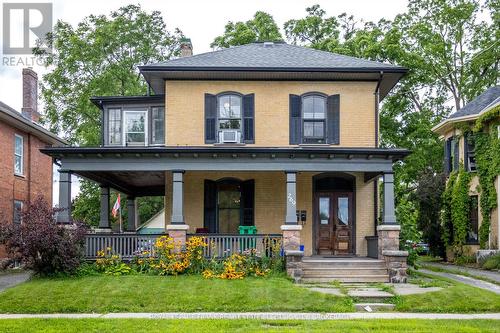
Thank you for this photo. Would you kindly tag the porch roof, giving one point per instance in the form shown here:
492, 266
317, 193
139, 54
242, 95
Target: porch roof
141, 170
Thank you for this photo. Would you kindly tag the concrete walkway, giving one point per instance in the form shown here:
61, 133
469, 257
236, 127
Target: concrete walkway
466, 280
261, 315
8, 280
491, 275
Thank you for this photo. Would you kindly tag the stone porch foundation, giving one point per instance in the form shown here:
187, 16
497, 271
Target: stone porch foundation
178, 233
388, 250
291, 248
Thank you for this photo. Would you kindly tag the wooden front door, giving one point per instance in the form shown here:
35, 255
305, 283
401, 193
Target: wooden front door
334, 223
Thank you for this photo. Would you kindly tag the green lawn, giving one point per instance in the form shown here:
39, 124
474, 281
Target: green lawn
150, 326
453, 298
141, 293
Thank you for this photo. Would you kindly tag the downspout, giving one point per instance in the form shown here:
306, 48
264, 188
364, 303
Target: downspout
29, 167
375, 182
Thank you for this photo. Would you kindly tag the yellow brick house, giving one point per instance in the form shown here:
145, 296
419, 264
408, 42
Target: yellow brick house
280, 137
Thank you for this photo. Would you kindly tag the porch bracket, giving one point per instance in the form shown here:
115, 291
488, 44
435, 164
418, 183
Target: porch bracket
64, 216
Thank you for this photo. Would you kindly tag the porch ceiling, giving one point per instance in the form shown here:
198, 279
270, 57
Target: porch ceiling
233, 158
136, 183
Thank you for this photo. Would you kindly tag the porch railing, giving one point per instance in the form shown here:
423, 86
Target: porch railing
126, 245
224, 245
218, 245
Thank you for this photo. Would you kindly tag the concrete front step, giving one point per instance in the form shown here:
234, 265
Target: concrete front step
347, 278
328, 273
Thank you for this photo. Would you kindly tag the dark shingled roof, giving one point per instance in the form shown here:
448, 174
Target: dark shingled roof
277, 55
479, 103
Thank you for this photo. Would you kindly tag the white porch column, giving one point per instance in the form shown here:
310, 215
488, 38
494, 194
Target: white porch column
291, 229
64, 216
178, 229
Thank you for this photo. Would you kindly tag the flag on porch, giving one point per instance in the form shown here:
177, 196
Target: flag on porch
116, 206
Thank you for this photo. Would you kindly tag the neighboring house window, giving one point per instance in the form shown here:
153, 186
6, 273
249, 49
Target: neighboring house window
158, 125
451, 154
134, 127
115, 126
470, 153
314, 119
18, 207
229, 118
472, 233
18, 154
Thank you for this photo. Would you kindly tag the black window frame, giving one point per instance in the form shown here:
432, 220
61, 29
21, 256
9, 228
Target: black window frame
470, 152
314, 140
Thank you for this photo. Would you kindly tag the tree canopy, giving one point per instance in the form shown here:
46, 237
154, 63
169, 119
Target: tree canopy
98, 57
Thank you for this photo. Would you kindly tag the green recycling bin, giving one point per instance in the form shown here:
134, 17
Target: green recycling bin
247, 243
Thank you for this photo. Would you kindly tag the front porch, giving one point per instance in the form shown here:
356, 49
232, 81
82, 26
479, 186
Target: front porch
316, 200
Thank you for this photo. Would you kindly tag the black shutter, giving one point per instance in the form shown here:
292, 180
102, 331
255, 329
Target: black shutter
210, 206
447, 157
456, 154
210, 118
333, 119
248, 118
248, 202
295, 120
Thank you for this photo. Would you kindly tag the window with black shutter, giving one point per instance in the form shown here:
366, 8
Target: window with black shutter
470, 153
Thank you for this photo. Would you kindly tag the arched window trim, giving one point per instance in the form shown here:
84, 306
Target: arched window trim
324, 120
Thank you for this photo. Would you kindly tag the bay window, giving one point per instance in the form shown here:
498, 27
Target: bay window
139, 126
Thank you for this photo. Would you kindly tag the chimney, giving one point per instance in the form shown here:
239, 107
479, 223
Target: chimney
30, 95
186, 47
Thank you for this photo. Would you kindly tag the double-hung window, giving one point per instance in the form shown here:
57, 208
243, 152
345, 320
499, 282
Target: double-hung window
135, 127
18, 155
115, 126
229, 118
314, 119
158, 125
18, 207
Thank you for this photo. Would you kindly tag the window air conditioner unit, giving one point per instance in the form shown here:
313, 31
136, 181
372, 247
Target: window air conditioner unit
227, 136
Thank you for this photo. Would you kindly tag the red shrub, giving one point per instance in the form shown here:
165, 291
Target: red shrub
41, 243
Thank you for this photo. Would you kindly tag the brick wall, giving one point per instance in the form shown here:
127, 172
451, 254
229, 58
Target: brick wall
270, 204
37, 173
185, 109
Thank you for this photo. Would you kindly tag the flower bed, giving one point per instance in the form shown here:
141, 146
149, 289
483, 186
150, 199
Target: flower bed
173, 259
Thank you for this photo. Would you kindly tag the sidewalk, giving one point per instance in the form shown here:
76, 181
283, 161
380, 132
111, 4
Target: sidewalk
492, 275
465, 279
261, 315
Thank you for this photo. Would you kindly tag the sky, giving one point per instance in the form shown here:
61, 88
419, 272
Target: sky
200, 20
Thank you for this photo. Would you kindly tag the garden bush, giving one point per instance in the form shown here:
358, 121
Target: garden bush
492, 262
41, 244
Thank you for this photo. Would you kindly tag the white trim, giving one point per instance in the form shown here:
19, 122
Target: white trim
177, 227
146, 128
469, 117
388, 227
22, 155
291, 227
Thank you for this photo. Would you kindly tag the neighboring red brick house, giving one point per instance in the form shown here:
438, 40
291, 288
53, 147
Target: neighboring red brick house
25, 173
